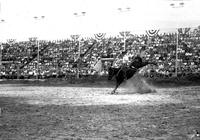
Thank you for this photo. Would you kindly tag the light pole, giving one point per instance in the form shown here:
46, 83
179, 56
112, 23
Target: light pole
80, 14
124, 10
38, 46
178, 5
1, 46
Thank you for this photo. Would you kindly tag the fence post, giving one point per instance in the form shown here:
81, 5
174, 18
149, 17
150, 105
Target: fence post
18, 71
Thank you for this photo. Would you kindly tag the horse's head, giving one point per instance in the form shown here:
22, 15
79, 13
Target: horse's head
111, 73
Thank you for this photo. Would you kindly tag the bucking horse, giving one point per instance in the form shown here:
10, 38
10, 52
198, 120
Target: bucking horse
124, 73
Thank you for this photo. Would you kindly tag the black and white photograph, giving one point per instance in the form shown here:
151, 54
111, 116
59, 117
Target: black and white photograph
99, 69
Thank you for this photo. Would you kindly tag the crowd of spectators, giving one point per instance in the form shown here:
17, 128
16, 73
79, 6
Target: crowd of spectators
61, 58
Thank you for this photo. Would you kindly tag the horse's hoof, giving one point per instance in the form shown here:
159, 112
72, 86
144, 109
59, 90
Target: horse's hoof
112, 93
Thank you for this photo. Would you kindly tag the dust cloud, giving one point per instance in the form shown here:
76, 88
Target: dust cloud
137, 84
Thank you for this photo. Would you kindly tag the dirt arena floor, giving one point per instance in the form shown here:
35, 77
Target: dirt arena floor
37, 112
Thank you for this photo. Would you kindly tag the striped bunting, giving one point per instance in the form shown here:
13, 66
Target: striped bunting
183, 31
152, 33
99, 36
75, 37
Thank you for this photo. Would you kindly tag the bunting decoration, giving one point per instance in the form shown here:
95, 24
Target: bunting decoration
183, 31
75, 37
32, 39
152, 33
127, 33
11, 41
99, 36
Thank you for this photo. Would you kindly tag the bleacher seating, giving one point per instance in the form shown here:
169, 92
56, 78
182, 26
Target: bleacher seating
61, 57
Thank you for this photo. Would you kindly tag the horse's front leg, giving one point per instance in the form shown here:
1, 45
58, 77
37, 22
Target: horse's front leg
114, 90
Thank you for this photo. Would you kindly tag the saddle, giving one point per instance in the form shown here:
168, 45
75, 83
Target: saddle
124, 69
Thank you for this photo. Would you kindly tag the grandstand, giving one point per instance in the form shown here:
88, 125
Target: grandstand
84, 51
65, 57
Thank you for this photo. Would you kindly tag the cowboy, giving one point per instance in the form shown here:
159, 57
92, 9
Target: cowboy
124, 66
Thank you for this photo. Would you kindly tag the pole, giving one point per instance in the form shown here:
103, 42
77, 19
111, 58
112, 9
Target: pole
122, 10
1, 55
176, 64
1, 47
79, 49
37, 43
38, 59
78, 63
79, 57
124, 41
180, 5
18, 71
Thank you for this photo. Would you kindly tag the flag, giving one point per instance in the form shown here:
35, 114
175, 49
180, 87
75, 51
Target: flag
98, 66
152, 33
99, 36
